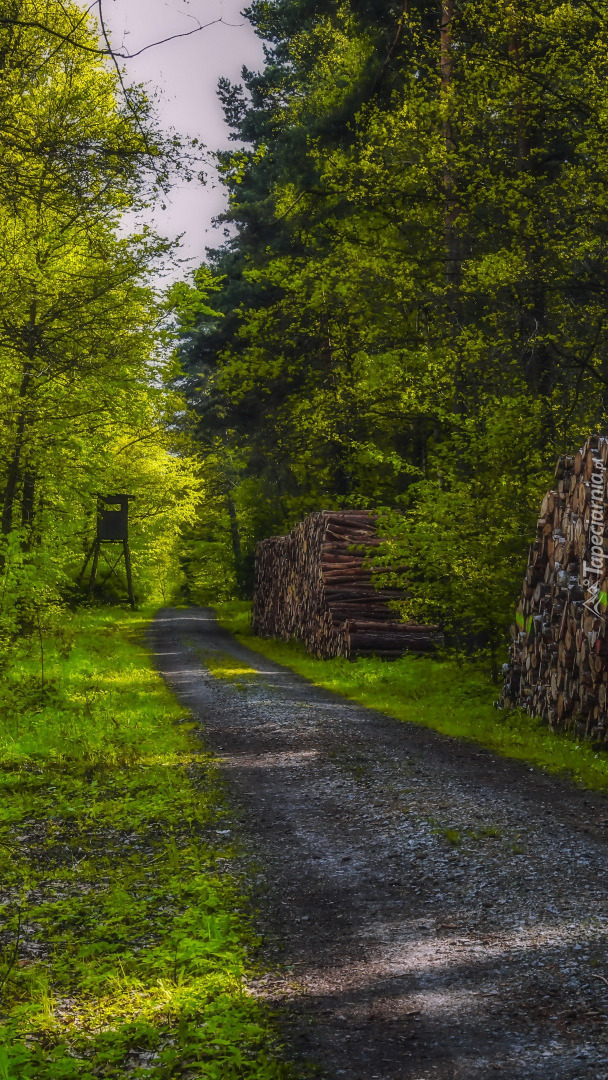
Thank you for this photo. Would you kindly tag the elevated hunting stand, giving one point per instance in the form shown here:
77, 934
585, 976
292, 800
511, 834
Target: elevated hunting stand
112, 528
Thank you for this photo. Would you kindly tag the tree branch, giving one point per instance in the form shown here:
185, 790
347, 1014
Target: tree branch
34, 24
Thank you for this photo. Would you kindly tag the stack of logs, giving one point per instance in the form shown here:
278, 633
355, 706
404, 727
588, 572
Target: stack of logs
312, 585
558, 666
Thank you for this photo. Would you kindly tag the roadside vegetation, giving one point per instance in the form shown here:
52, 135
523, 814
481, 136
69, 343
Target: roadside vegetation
408, 313
436, 692
124, 938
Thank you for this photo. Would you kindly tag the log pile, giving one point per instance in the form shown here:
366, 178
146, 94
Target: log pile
313, 586
558, 665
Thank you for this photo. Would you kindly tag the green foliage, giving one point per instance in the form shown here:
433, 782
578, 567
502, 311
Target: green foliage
86, 405
413, 296
436, 692
462, 540
124, 939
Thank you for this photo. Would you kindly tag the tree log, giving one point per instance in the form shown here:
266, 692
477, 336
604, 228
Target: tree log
558, 665
312, 585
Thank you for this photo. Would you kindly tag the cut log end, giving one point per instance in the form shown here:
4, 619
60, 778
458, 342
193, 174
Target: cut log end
558, 666
312, 585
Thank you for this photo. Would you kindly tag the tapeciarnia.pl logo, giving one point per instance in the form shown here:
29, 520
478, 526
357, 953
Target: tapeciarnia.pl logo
596, 598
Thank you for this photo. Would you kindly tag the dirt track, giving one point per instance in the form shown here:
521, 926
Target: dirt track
437, 913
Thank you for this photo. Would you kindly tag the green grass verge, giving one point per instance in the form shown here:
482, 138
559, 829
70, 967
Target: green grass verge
124, 937
437, 693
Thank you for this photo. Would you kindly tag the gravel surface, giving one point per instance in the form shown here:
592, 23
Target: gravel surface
430, 910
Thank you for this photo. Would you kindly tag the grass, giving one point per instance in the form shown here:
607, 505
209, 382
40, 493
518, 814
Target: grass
452, 836
124, 937
226, 667
437, 693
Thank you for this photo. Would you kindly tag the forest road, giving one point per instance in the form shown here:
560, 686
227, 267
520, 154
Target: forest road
430, 911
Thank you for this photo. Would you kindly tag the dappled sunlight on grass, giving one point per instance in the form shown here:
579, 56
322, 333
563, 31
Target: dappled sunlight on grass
224, 666
124, 940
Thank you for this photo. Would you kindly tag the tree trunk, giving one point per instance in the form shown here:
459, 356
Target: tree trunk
14, 469
235, 537
12, 477
452, 246
28, 495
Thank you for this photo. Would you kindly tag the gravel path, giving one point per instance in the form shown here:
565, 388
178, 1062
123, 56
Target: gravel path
437, 912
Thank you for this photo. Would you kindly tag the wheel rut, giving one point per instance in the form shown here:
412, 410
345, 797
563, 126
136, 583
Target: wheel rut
430, 911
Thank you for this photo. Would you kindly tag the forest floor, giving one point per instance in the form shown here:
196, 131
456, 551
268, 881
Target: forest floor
430, 910
125, 941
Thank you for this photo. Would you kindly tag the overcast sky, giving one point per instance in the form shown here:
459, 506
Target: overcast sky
186, 70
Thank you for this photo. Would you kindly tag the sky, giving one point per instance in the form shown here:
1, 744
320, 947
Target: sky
186, 71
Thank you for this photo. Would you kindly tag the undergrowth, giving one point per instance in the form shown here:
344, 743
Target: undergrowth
456, 699
124, 938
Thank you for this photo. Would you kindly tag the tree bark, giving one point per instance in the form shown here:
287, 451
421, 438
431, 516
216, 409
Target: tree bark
452, 246
28, 498
235, 538
12, 477
14, 469
558, 666
299, 593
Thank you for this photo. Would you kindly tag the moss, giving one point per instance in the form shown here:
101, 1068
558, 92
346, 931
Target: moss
124, 938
